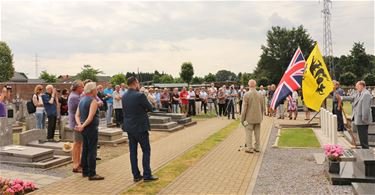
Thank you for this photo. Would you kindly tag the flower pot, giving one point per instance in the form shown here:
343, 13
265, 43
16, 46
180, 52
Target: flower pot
334, 167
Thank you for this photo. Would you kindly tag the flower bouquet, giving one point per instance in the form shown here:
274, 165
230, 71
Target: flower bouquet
15, 187
333, 154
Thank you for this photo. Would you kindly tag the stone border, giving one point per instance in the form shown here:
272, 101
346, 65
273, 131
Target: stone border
254, 177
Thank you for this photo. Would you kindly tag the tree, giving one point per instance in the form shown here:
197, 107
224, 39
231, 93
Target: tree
210, 78
279, 50
360, 61
225, 75
166, 78
245, 77
156, 78
89, 72
6, 62
178, 80
197, 80
187, 72
369, 78
117, 79
347, 79
48, 78
263, 81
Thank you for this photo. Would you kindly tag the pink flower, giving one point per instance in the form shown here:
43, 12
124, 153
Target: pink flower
9, 191
17, 188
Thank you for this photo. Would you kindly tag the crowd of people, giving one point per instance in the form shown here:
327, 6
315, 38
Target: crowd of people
130, 104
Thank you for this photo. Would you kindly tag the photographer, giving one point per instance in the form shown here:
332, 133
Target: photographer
50, 104
232, 94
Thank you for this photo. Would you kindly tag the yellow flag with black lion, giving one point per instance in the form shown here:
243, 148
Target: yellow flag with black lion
317, 83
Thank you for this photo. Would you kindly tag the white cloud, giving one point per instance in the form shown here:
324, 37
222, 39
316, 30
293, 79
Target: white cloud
121, 36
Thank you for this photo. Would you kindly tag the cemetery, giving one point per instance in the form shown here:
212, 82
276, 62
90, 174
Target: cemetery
187, 97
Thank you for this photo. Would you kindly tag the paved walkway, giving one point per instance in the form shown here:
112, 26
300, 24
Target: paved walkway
224, 170
117, 171
39, 179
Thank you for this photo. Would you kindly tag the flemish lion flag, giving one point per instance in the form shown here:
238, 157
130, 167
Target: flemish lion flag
317, 83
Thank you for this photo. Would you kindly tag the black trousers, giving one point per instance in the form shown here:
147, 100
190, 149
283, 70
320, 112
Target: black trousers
230, 109
221, 109
226, 106
51, 127
240, 102
204, 107
363, 135
340, 120
119, 116
191, 108
143, 140
89, 151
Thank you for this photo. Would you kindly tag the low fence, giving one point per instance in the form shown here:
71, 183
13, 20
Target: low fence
328, 122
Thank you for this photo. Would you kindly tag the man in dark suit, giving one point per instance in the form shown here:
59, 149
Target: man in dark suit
136, 123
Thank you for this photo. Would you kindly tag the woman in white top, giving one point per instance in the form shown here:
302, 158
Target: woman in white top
38, 103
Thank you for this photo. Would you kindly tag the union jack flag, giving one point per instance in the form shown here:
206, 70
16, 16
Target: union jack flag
291, 81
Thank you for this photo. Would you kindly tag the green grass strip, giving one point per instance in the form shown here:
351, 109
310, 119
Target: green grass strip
176, 167
298, 138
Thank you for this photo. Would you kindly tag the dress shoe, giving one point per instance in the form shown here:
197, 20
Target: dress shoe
249, 151
98, 158
96, 177
256, 150
138, 179
152, 178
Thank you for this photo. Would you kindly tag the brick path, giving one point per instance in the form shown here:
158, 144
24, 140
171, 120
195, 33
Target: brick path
117, 171
224, 170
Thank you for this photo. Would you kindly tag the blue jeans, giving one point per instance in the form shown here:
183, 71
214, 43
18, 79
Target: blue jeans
89, 149
175, 108
109, 113
40, 120
143, 140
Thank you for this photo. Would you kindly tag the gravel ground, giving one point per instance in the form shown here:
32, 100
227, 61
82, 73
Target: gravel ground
293, 171
105, 152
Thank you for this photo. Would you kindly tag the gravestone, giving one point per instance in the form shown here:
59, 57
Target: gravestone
30, 122
6, 132
176, 117
25, 155
362, 170
37, 138
162, 123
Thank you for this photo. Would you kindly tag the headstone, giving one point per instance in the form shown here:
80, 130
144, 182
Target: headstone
32, 135
365, 163
30, 122
6, 134
25, 155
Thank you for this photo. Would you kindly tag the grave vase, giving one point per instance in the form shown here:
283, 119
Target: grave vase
334, 166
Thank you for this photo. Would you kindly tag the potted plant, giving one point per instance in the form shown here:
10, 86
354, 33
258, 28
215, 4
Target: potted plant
333, 154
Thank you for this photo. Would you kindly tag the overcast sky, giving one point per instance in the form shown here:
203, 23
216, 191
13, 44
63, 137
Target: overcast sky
122, 36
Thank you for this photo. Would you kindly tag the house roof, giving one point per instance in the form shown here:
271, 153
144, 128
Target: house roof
19, 77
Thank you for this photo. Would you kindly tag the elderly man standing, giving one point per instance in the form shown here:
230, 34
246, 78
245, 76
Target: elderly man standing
73, 102
50, 104
362, 117
252, 116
